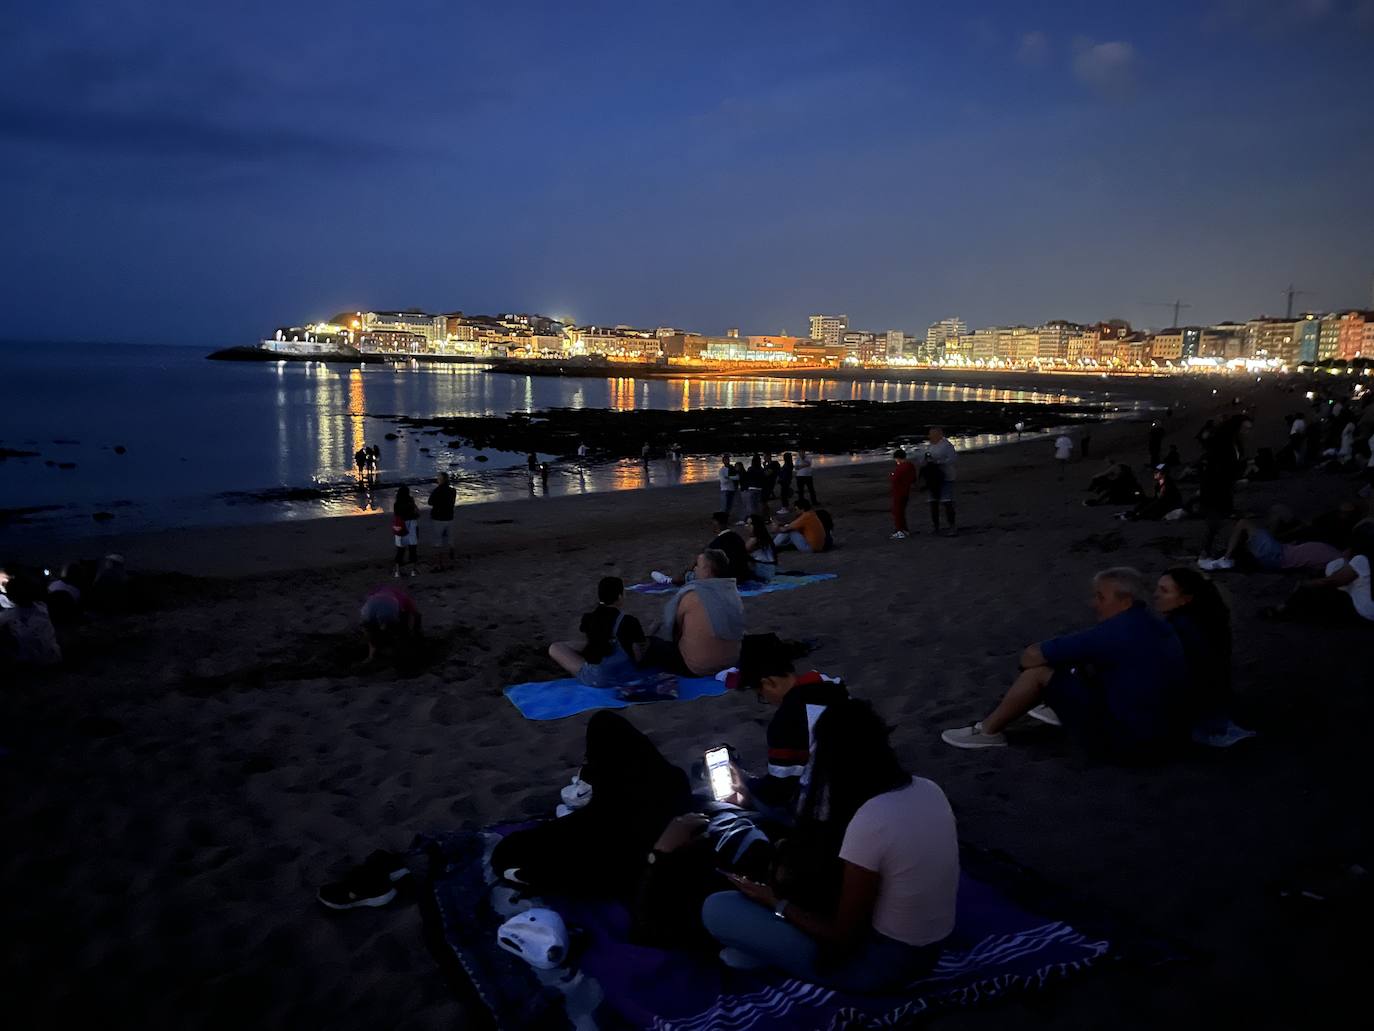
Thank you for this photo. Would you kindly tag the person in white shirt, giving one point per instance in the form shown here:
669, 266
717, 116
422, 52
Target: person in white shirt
729, 486
937, 465
1063, 451
900, 879
1343, 594
805, 479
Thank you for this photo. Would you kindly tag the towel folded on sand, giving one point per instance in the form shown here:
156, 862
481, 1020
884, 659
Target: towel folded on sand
555, 699
1013, 935
749, 588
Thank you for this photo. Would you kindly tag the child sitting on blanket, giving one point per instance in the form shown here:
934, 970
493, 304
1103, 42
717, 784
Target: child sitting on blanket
615, 641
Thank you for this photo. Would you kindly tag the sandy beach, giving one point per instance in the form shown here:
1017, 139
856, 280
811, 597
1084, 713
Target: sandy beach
177, 792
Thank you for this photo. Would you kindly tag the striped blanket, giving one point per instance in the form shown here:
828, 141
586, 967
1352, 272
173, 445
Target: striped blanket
1011, 936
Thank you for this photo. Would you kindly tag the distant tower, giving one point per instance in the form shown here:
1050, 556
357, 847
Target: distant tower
733, 332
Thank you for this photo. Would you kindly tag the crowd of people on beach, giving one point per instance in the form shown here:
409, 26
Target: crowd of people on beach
834, 863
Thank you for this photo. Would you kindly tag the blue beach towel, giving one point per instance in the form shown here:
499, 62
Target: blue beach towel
1012, 935
555, 699
750, 588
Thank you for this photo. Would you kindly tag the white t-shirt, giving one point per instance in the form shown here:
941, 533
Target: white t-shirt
909, 839
943, 455
1063, 448
723, 474
1359, 588
803, 468
1299, 426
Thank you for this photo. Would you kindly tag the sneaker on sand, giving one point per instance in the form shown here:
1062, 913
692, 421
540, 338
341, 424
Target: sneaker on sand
899, 535
360, 888
396, 573
973, 737
660, 578
1232, 735
1045, 714
737, 959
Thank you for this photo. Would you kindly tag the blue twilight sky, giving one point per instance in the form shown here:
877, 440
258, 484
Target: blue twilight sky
198, 173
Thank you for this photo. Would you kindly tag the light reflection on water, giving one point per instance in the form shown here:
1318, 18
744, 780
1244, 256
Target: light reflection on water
204, 439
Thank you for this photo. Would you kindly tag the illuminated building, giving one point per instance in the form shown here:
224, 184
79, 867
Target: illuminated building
1084, 345
1271, 338
1167, 345
828, 329
1355, 338
939, 334
1052, 340
981, 345
896, 343
1307, 337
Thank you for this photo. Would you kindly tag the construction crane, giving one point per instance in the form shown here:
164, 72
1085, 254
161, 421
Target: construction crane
1290, 293
1176, 305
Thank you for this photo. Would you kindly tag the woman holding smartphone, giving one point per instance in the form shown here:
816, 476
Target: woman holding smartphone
900, 871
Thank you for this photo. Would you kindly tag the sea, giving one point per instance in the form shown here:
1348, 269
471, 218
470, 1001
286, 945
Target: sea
141, 437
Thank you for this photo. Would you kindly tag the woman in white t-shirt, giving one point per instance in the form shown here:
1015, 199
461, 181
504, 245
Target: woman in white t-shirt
900, 860
1343, 594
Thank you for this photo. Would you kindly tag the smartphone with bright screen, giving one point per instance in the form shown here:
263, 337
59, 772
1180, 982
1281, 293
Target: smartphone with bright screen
718, 769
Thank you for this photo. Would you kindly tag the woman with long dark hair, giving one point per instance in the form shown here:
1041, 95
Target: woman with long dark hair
405, 529
899, 857
763, 559
1193, 606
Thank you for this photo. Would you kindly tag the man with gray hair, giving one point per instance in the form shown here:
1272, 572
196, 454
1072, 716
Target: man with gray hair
1118, 686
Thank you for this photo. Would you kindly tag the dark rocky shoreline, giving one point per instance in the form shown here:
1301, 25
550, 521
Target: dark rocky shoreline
822, 427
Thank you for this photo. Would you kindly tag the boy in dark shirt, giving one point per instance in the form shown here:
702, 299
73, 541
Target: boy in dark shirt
800, 699
615, 642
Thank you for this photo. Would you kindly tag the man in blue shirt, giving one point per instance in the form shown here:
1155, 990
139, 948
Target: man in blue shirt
1117, 685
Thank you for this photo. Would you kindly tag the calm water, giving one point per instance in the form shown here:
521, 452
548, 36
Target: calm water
205, 439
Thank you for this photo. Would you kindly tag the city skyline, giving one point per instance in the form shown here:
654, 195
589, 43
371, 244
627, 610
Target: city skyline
190, 176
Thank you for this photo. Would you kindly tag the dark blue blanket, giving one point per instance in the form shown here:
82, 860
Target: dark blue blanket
1006, 939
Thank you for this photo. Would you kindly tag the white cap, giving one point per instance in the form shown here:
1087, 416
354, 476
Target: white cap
538, 936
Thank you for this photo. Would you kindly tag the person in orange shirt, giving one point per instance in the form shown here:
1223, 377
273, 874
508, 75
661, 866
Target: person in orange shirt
805, 533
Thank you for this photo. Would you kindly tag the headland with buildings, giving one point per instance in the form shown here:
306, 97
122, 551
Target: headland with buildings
1343, 340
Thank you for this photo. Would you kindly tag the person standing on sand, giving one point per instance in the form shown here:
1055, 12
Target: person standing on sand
360, 459
754, 478
805, 478
441, 502
644, 454
1156, 443
405, 528
771, 468
785, 477
582, 452
372, 459
938, 467
1063, 451
900, 479
728, 485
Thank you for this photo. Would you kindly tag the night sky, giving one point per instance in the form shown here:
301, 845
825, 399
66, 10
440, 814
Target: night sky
197, 173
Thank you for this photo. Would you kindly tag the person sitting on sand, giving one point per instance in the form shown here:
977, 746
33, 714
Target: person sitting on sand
899, 872
391, 619
1167, 498
27, 636
1260, 545
64, 596
1116, 686
805, 532
615, 641
1115, 485
800, 698
724, 539
703, 623
1342, 595
1193, 606
763, 558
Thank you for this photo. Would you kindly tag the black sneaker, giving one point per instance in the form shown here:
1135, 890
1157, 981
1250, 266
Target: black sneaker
390, 864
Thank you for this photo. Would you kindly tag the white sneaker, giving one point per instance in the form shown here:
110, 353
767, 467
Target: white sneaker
1224, 563
900, 535
396, 573
1207, 564
1045, 714
973, 737
660, 578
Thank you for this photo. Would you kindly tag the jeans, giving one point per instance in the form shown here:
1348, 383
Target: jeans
878, 964
727, 502
793, 537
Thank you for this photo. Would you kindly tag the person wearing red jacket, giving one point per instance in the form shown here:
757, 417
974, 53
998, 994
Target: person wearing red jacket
901, 478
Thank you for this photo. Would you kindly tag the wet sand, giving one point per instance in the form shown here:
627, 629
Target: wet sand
175, 795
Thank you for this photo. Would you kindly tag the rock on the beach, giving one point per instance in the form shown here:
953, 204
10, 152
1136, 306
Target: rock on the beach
102, 517
120, 449
390, 436
66, 465
480, 458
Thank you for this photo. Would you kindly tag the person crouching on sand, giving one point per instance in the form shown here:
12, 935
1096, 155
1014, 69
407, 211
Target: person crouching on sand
390, 619
1119, 686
